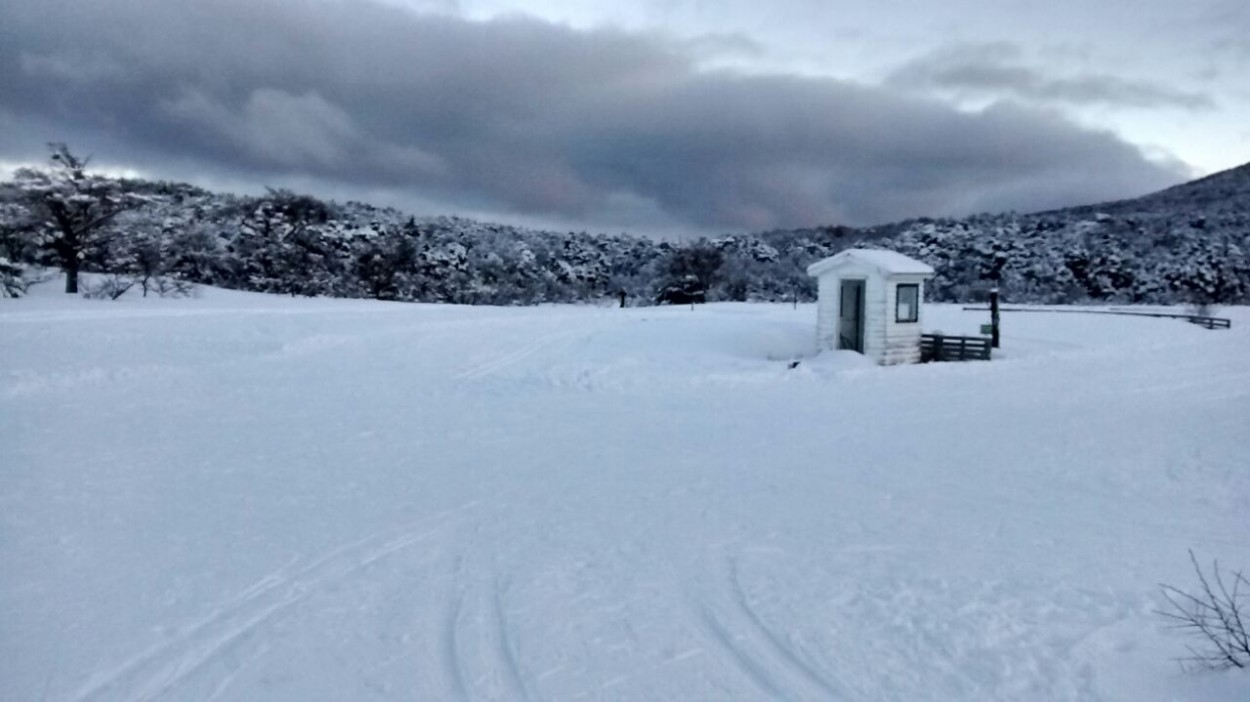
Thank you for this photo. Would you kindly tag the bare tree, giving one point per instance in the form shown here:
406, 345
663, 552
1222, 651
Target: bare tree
1216, 615
74, 206
109, 287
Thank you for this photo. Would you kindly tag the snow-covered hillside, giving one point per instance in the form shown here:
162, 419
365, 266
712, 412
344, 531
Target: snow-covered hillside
1187, 244
245, 497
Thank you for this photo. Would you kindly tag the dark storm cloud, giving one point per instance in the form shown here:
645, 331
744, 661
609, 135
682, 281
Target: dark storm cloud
998, 69
519, 116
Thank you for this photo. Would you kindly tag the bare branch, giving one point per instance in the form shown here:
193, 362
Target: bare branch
1215, 615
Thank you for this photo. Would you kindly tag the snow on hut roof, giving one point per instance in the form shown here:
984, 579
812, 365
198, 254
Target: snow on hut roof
889, 262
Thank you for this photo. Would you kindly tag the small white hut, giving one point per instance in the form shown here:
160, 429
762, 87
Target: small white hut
870, 301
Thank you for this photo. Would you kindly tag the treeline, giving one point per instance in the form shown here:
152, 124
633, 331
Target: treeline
1181, 246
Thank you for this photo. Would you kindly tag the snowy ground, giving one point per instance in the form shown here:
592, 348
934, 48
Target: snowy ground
242, 497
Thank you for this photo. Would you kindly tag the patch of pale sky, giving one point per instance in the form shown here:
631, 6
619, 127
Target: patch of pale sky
9, 168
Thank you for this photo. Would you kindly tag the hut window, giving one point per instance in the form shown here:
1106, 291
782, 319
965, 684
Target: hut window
907, 303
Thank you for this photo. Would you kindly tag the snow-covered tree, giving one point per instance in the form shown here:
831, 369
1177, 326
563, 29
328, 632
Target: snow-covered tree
1183, 245
15, 248
74, 208
690, 272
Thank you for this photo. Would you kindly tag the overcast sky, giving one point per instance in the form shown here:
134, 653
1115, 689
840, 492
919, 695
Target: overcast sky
662, 117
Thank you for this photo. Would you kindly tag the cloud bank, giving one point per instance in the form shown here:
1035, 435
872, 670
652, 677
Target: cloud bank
523, 118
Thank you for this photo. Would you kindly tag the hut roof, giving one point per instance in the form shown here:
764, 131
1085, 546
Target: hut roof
889, 262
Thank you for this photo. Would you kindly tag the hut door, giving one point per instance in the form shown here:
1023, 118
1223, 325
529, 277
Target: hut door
851, 316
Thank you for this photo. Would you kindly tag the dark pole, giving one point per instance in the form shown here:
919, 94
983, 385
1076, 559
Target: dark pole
622, 299
994, 317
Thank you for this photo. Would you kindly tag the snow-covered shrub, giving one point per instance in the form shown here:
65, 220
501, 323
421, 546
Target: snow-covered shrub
167, 286
685, 291
16, 278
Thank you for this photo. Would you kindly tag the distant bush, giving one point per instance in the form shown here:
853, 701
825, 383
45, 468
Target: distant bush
16, 279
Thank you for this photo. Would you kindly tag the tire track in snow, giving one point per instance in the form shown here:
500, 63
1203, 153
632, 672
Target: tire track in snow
161, 668
479, 654
784, 651
453, 664
746, 662
451, 648
771, 663
507, 653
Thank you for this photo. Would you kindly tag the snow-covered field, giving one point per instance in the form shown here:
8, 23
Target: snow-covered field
241, 497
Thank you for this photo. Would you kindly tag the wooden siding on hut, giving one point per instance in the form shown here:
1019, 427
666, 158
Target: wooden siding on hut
902, 341
827, 313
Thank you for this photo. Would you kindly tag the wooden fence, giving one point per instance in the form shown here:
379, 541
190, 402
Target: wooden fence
938, 347
1208, 322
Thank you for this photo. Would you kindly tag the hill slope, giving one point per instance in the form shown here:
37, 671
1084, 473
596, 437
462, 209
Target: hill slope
1189, 243
1223, 193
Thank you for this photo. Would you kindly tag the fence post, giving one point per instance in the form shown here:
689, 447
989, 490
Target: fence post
994, 317
937, 348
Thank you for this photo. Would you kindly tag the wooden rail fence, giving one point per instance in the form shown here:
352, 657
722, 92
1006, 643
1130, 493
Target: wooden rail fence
1200, 320
939, 347
1210, 322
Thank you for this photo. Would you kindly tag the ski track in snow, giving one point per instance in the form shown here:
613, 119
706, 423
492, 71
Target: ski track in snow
21, 384
159, 670
504, 361
643, 504
227, 680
